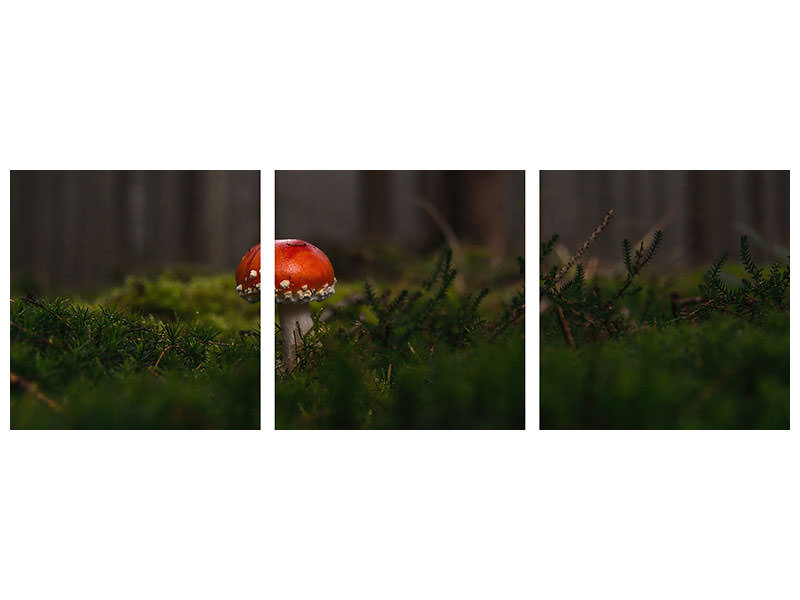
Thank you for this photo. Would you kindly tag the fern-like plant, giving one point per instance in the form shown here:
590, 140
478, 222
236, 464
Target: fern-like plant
756, 294
594, 315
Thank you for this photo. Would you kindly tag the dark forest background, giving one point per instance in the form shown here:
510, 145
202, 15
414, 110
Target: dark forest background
352, 215
72, 230
78, 229
702, 213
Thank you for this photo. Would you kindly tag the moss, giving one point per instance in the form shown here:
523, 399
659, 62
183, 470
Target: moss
613, 356
151, 354
208, 300
726, 374
421, 357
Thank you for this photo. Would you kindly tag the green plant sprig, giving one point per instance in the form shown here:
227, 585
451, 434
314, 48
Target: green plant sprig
590, 312
756, 294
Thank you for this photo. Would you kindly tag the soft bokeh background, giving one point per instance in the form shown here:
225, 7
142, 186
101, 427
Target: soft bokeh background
396, 352
368, 221
702, 213
78, 230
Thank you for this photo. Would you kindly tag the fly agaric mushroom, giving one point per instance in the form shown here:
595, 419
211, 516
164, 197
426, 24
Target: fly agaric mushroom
302, 274
248, 275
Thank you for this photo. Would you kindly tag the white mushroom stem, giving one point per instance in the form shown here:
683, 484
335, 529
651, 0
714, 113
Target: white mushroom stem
291, 316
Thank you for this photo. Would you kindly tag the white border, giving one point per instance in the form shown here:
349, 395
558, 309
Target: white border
531, 86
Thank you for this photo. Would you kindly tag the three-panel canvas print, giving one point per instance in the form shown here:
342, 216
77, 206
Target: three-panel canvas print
400, 300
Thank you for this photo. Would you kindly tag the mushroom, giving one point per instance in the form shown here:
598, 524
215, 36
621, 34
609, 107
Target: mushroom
302, 274
248, 275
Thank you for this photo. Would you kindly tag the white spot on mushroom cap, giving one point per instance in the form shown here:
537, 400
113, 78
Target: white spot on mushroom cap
305, 295
253, 274
285, 284
251, 294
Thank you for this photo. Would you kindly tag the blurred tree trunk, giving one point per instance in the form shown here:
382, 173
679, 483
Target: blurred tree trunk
77, 229
479, 210
45, 189
23, 221
700, 215
376, 203
121, 221
190, 207
216, 190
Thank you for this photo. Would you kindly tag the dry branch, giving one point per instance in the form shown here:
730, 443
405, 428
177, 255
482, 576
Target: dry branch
563, 271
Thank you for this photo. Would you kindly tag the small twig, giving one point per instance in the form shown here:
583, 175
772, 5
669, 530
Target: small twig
167, 349
44, 340
502, 326
447, 231
679, 303
582, 249
661, 224
565, 327
52, 312
33, 388
518, 312
223, 344
705, 304
449, 235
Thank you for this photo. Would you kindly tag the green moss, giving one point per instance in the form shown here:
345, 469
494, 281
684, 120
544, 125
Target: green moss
480, 387
208, 300
726, 374
614, 356
151, 354
416, 358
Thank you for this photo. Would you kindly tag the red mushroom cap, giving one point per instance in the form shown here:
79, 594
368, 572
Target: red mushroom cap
248, 275
302, 272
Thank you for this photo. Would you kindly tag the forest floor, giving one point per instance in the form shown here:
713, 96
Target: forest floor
428, 346
668, 369
160, 353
